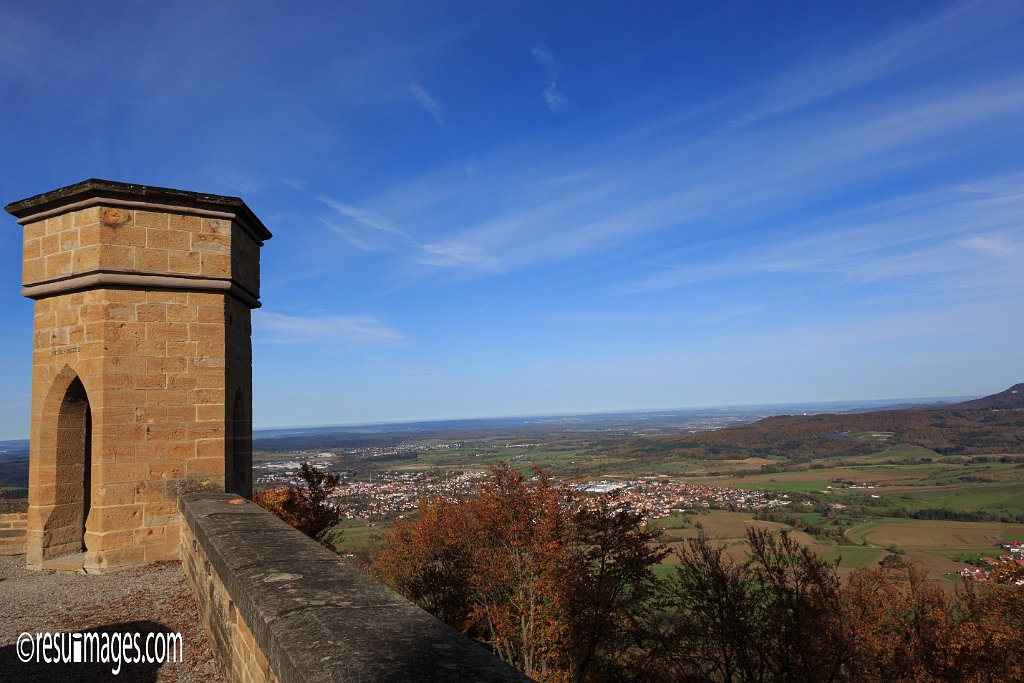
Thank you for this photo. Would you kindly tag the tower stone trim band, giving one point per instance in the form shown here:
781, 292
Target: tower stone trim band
77, 283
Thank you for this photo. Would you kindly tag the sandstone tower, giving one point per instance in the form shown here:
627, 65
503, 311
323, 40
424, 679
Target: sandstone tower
142, 364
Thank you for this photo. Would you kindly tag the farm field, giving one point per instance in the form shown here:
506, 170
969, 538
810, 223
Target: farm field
852, 556
935, 543
728, 529
947, 536
939, 546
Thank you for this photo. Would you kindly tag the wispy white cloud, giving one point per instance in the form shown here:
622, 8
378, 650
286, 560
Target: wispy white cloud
456, 254
278, 328
236, 180
553, 97
949, 239
996, 246
447, 254
363, 216
944, 32
680, 179
425, 99
353, 239
540, 206
295, 184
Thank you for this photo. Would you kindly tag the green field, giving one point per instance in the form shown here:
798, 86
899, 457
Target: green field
940, 546
851, 556
995, 497
358, 534
664, 571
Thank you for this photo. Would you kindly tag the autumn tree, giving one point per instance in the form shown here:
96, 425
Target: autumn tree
780, 613
902, 621
993, 621
549, 586
305, 507
429, 560
909, 629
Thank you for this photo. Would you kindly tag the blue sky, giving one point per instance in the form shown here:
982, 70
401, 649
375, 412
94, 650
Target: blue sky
499, 208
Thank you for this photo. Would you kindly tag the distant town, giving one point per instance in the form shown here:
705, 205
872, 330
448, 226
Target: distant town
389, 494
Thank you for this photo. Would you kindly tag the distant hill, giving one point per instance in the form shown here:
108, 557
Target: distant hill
1010, 399
993, 424
14, 450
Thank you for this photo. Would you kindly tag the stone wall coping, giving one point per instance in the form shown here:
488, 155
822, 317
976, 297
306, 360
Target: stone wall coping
318, 618
95, 192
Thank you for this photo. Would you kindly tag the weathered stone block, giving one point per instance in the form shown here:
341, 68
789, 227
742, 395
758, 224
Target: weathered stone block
152, 219
119, 518
113, 257
167, 239
116, 494
58, 265
185, 262
153, 260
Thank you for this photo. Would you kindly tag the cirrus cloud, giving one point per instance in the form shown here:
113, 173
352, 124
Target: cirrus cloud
279, 328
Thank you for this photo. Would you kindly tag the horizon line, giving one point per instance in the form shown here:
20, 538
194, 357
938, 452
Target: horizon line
380, 423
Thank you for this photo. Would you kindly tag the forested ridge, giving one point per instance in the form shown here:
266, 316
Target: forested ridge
994, 424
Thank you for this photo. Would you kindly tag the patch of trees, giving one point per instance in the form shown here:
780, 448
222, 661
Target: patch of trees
782, 614
556, 589
306, 508
393, 457
947, 514
567, 592
14, 474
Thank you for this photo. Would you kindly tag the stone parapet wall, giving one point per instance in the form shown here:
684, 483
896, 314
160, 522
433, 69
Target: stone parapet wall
12, 533
280, 607
238, 655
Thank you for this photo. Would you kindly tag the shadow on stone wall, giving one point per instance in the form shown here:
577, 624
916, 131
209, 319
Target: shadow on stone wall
13, 669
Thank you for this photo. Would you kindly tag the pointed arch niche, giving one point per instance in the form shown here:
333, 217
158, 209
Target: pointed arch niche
238, 468
64, 474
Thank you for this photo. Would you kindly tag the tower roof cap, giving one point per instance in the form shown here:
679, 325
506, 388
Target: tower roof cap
161, 197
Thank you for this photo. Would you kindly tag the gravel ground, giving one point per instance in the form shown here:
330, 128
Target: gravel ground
149, 599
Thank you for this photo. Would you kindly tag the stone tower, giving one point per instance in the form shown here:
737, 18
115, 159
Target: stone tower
141, 367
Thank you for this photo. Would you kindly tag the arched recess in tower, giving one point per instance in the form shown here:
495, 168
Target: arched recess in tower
64, 530
239, 466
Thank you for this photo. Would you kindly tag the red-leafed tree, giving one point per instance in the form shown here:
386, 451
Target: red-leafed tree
548, 585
